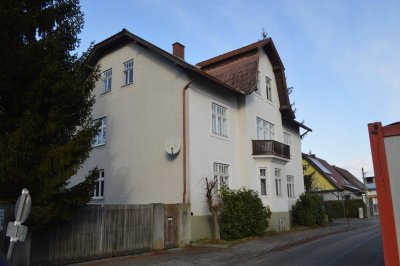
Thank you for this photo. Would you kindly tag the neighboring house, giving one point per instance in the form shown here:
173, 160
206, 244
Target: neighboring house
228, 118
356, 185
372, 196
331, 182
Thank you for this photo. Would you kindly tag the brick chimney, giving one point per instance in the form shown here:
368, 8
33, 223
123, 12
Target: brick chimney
178, 50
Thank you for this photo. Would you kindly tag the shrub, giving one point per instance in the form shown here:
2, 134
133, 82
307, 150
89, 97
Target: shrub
243, 214
334, 208
308, 210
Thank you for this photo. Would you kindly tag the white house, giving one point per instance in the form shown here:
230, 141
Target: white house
230, 116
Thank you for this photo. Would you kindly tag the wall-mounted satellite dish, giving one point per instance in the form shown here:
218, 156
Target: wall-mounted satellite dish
172, 145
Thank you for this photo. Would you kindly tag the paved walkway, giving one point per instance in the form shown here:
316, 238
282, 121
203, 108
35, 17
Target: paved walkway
234, 255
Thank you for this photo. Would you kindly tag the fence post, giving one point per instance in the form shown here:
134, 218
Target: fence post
184, 225
158, 226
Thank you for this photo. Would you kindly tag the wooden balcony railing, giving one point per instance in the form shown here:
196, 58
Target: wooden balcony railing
271, 147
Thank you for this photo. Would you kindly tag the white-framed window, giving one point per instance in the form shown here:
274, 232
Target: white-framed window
99, 186
278, 182
286, 138
290, 186
107, 81
268, 89
265, 130
100, 138
263, 181
221, 174
128, 73
219, 120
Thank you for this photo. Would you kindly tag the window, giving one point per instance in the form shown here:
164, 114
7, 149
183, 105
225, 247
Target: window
286, 138
263, 181
268, 89
219, 120
278, 182
290, 186
128, 73
107, 79
100, 138
265, 130
221, 174
99, 188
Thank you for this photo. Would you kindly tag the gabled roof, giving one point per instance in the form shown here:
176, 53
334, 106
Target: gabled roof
331, 174
124, 37
239, 76
351, 178
239, 68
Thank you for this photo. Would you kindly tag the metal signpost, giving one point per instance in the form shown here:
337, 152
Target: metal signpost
15, 230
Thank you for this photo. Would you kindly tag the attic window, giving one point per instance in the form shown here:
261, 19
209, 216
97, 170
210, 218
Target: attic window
268, 89
128, 73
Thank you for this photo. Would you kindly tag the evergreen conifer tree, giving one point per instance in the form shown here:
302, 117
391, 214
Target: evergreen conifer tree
46, 100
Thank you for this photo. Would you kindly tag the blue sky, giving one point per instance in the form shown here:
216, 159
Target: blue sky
342, 57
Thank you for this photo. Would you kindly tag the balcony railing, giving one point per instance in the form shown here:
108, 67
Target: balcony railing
271, 147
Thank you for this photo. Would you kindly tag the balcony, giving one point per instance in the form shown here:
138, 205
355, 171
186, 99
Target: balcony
271, 148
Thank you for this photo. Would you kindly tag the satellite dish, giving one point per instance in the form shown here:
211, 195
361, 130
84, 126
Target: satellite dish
172, 145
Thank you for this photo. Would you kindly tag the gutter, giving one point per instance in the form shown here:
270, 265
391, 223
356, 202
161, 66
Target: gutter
184, 145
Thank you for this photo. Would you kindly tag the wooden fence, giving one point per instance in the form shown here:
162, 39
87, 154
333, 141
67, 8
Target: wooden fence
101, 231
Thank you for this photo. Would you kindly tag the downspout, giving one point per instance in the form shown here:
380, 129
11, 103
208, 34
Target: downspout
184, 145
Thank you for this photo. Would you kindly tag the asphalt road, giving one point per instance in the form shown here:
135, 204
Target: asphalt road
361, 246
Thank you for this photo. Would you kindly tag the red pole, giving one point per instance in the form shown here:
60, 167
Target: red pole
386, 214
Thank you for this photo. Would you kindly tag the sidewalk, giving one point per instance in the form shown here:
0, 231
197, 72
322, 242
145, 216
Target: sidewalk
233, 255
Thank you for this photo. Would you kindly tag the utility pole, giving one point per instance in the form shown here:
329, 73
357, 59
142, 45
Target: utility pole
364, 174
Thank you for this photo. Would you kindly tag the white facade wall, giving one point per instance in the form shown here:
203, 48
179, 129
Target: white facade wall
295, 166
141, 116
236, 150
205, 148
257, 106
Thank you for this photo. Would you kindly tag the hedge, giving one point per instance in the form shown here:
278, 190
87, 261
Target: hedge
243, 214
334, 208
308, 210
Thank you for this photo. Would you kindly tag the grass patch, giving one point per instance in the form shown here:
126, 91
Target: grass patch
224, 242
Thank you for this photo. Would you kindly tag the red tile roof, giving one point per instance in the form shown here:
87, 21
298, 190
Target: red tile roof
351, 178
239, 68
233, 54
240, 73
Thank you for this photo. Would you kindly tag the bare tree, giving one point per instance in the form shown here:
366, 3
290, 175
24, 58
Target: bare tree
214, 204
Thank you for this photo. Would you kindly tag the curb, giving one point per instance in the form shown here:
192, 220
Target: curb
304, 240
209, 245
